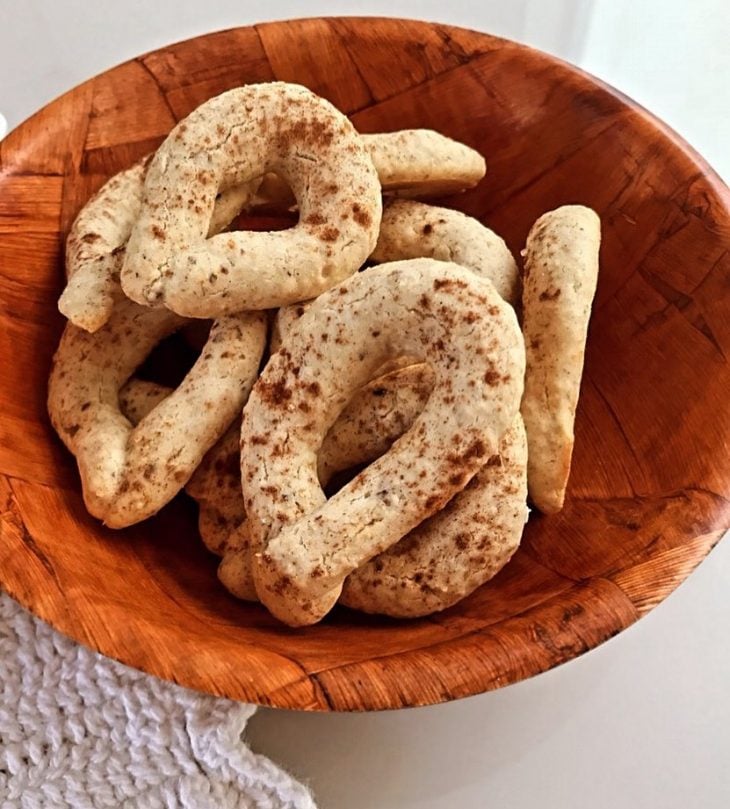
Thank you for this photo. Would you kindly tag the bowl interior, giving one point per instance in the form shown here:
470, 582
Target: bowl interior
648, 495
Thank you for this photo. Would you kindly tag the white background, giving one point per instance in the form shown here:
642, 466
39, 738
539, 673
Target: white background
642, 722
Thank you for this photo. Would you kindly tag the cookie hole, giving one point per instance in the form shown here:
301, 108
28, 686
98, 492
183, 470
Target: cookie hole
263, 223
172, 358
273, 209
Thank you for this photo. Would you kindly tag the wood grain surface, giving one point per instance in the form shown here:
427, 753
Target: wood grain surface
649, 494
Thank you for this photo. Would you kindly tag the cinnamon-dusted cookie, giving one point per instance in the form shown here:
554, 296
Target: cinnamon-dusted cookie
305, 545
128, 473
235, 138
421, 162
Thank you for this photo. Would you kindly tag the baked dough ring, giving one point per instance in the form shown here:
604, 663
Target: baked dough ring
307, 545
127, 473
236, 138
408, 230
421, 162
97, 239
561, 272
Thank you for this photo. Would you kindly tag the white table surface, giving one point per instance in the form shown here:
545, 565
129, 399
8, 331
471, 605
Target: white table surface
643, 722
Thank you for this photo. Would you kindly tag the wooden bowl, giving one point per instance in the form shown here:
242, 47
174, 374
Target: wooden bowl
648, 496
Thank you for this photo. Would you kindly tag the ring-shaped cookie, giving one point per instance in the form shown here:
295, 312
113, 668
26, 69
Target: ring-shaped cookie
128, 473
408, 229
236, 138
306, 545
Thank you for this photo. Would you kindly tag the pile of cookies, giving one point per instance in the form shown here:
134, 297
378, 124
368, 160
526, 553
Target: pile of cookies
392, 337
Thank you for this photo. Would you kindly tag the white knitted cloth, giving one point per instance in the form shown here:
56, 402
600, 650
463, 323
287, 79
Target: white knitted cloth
80, 731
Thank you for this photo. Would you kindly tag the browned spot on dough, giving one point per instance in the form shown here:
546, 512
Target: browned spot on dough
329, 234
448, 283
274, 393
281, 585
158, 233
305, 132
361, 216
476, 450
549, 295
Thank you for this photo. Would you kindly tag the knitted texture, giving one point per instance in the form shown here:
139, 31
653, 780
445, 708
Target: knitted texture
80, 731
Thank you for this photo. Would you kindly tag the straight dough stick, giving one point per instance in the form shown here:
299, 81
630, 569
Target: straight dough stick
561, 271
